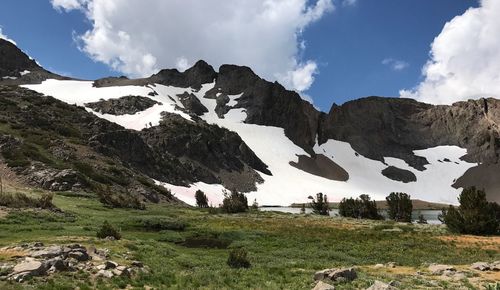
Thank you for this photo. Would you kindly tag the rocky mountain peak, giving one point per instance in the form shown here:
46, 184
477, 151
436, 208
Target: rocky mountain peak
234, 79
13, 61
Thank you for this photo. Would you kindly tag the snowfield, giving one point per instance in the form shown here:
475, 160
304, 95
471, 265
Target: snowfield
287, 184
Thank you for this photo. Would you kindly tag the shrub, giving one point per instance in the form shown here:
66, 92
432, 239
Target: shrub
238, 258
161, 223
234, 202
201, 199
475, 215
45, 201
320, 205
421, 219
255, 205
21, 200
399, 207
362, 208
206, 240
107, 230
120, 200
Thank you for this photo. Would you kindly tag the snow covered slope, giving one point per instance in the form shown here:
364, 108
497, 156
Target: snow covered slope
288, 184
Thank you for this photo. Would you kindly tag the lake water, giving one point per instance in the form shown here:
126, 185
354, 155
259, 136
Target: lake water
430, 215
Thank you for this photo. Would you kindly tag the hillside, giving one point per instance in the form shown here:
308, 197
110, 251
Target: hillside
230, 129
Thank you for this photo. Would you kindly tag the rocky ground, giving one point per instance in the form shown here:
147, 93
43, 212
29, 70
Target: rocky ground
37, 259
455, 276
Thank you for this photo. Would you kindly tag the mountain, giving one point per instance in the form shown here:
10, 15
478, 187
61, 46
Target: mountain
16, 67
230, 129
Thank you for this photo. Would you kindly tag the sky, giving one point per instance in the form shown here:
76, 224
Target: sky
330, 51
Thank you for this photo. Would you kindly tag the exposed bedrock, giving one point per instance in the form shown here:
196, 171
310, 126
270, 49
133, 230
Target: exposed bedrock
399, 174
127, 105
322, 166
215, 153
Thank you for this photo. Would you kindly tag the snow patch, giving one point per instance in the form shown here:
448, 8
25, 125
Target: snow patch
82, 92
287, 184
25, 72
233, 100
9, 78
214, 192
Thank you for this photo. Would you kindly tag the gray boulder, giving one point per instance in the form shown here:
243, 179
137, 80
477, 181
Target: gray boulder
481, 266
105, 274
345, 274
110, 265
48, 252
323, 286
27, 268
438, 269
378, 285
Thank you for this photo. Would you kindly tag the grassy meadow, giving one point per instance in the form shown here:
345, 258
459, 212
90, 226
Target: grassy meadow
284, 249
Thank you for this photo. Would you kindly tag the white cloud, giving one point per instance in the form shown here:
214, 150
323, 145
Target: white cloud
464, 59
262, 34
182, 64
395, 64
68, 5
3, 36
303, 76
349, 2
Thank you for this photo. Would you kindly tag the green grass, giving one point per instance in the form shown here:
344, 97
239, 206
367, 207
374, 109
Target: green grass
284, 250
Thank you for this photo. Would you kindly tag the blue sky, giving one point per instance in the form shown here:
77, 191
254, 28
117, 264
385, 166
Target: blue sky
348, 44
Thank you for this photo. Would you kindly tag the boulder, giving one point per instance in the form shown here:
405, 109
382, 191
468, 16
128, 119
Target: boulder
121, 271
481, 266
495, 266
79, 255
48, 252
28, 265
323, 286
438, 269
320, 275
27, 268
105, 274
56, 264
110, 265
137, 264
378, 285
346, 274
6, 268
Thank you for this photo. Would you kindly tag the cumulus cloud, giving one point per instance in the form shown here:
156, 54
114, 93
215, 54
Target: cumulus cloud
3, 36
139, 37
395, 64
464, 58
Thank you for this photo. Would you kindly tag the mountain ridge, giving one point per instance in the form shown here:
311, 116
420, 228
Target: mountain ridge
385, 132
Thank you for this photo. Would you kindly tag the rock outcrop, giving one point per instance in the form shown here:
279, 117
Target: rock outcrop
344, 274
127, 105
215, 154
36, 259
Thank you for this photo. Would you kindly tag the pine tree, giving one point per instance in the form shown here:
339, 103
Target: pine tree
361, 208
475, 215
320, 204
201, 199
400, 206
